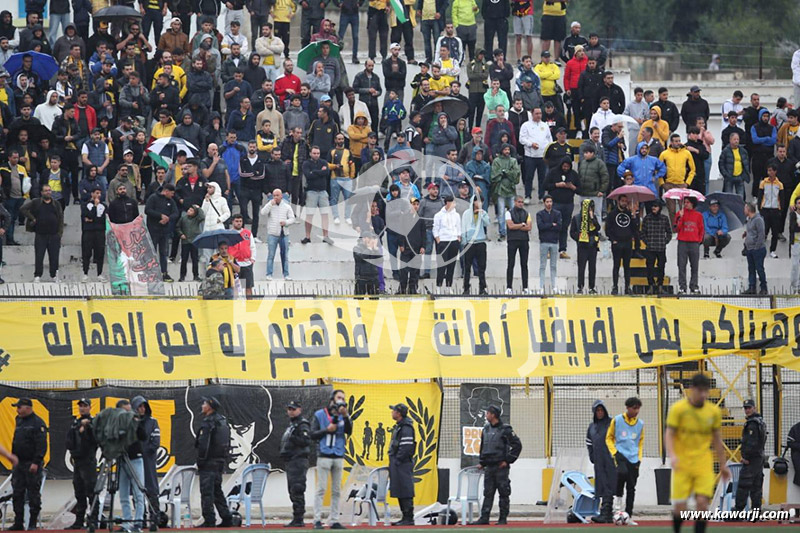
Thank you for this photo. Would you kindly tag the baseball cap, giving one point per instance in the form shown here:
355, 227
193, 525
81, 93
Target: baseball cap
714, 202
562, 129
325, 98
176, 19
694, 89
476, 129
394, 45
494, 410
108, 61
400, 408
85, 401
526, 79
127, 151
546, 53
749, 403
23, 401
127, 118
549, 104
463, 184
432, 186
212, 402
293, 405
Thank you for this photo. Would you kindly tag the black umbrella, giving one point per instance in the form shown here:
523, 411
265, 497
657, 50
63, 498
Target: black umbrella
454, 107
114, 13
36, 132
731, 205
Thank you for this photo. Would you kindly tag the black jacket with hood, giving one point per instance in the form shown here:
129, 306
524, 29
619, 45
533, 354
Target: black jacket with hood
605, 471
150, 444
562, 195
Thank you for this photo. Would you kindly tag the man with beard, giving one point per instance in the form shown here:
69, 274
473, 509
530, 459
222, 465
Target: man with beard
288, 84
251, 173
669, 111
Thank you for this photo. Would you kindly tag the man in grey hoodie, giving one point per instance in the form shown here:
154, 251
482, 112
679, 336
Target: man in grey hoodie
755, 249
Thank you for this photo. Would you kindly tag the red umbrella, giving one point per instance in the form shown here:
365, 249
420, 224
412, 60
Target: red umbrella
636, 193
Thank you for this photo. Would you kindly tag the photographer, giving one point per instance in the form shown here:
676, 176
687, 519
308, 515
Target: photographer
82, 447
149, 447
212, 444
331, 426
295, 447
128, 486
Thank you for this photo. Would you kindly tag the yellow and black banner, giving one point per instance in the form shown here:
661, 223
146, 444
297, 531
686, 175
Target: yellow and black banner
379, 339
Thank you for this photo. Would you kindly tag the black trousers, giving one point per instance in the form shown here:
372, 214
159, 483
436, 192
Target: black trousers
377, 27
211, 494
758, 165
26, 487
476, 105
282, 31
751, 482
50, 244
296, 483
161, 244
406, 31
406, 507
654, 261
627, 475
154, 18
366, 287
251, 197
621, 254
522, 248
719, 242
69, 160
587, 254
495, 479
84, 477
772, 224
256, 21
409, 275
475, 251
492, 27
189, 250
308, 26
93, 246
447, 252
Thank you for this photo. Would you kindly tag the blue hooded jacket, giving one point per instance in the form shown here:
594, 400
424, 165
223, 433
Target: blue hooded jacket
763, 135
646, 170
479, 169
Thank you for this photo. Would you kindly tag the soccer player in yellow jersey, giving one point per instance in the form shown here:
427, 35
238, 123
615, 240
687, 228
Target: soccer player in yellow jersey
693, 426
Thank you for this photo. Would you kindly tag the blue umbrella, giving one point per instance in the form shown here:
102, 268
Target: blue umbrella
212, 239
44, 66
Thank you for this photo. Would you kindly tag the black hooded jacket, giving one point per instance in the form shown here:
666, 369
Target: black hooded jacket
562, 195
605, 471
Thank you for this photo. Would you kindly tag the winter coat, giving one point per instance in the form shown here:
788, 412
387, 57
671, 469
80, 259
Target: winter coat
216, 210
593, 176
192, 133
401, 459
669, 112
680, 166
660, 128
793, 442
647, 170
691, 109
763, 136
151, 445
572, 74
656, 232
605, 470
616, 98
562, 195
191, 226
505, 176
295, 117
726, 162
443, 139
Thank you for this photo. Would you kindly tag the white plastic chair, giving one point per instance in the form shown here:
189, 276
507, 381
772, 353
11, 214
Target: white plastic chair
468, 493
6, 492
374, 491
728, 498
180, 494
251, 489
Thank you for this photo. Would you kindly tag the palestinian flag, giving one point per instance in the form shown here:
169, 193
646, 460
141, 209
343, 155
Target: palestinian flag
399, 11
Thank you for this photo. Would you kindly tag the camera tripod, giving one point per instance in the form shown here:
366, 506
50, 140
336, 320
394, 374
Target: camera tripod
108, 478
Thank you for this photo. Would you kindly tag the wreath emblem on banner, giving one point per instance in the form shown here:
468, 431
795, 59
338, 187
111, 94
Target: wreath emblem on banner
356, 409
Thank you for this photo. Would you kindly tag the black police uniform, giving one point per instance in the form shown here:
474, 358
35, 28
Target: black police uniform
401, 467
295, 448
30, 446
751, 478
212, 444
82, 447
499, 443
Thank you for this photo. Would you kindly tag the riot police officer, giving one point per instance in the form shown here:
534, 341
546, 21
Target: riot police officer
401, 463
751, 478
500, 447
30, 446
212, 444
295, 447
82, 447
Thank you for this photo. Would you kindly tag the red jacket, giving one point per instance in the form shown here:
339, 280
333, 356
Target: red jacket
91, 116
573, 71
286, 82
241, 252
690, 226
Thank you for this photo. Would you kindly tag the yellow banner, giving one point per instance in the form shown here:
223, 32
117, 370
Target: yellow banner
378, 339
372, 425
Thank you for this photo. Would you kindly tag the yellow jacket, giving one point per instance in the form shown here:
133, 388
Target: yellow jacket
177, 74
549, 74
677, 161
660, 128
283, 11
411, 14
358, 135
160, 130
378, 4
348, 169
464, 12
266, 144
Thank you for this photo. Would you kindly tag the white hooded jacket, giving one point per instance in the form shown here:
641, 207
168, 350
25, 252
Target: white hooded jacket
216, 210
47, 113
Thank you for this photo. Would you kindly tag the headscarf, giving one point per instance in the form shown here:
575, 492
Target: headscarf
587, 221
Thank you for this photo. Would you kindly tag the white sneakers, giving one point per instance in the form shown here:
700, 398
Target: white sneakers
101, 278
288, 278
349, 220
85, 278
269, 278
37, 279
336, 221
509, 291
